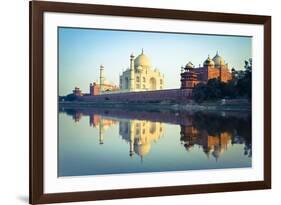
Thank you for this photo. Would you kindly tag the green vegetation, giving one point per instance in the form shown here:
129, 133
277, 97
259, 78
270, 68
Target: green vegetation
69, 97
239, 87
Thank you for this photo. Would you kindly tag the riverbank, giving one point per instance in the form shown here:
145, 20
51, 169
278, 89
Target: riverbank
221, 105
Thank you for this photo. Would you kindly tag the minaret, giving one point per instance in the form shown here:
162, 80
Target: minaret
220, 72
132, 73
101, 77
132, 138
101, 132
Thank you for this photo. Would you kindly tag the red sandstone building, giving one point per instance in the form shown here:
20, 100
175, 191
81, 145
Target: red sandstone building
95, 89
212, 68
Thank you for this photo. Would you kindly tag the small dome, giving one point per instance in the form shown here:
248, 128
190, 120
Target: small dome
218, 60
209, 62
142, 60
189, 65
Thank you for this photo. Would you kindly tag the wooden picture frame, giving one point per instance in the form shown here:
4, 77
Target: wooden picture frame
37, 9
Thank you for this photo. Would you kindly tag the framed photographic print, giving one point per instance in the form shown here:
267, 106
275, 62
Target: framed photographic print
139, 102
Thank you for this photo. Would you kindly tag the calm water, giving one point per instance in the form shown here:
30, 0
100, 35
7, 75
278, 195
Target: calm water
95, 142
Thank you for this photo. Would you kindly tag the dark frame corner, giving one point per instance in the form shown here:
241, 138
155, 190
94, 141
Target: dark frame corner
37, 8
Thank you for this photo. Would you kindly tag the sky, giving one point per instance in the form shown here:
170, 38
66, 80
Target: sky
82, 51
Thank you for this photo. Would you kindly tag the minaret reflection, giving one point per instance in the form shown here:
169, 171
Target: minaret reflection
213, 145
101, 124
140, 134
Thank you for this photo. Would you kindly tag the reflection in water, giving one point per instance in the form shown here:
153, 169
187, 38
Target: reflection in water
140, 134
161, 141
211, 145
102, 124
215, 134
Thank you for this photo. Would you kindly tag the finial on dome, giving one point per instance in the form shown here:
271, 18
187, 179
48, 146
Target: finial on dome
142, 51
217, 53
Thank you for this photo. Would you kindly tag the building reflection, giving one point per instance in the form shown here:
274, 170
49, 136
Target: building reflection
212, 145
102, 124
140, 134
212, 133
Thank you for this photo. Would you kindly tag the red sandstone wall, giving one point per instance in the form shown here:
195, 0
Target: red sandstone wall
144, 96
225, 75
213, 73
202, 74
94, 89
210, 73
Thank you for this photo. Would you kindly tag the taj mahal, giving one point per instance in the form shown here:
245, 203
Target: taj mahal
140, 76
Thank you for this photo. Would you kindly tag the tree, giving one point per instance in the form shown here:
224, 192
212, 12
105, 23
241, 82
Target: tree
199, 93
70, 97
244, 83
214, 87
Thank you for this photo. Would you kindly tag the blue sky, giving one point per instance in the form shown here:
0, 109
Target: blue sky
82, 51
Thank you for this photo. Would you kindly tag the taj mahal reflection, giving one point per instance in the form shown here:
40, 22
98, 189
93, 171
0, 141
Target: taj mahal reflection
195, 132
140, 134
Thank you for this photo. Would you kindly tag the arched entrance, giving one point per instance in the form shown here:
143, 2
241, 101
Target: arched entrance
126, 83
152, 84
152, 128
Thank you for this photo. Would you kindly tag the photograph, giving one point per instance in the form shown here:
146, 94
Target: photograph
129, 102
134, 101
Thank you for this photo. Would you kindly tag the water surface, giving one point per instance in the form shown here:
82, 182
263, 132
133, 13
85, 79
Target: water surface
99, 141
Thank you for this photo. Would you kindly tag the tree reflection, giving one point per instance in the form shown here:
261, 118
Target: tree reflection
214, 133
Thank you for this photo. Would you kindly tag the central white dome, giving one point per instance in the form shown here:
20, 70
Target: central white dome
142, 60
218, 60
